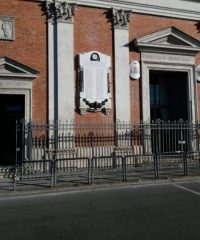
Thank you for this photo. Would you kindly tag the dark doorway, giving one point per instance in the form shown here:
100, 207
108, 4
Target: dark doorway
11, 110
168, 102
168, 95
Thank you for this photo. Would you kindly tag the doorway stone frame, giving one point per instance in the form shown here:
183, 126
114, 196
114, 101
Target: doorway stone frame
173, 63
27, 98
16, 79
168, 50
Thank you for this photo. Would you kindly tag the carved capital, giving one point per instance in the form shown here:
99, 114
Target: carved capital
60, 11
50, 10
120, 18
64, 11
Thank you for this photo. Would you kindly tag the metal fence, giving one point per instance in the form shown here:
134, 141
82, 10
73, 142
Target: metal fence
88, 153
106, 169
69, 140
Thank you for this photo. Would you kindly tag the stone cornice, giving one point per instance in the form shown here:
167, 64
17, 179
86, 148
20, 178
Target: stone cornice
169, 40
178, 10
10, 68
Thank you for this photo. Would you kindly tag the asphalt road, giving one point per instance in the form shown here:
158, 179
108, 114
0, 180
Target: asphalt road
153, 212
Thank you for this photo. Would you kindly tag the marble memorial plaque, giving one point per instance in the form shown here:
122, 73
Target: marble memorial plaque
94, 95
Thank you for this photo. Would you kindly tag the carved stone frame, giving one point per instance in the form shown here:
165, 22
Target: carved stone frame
84, 104
27, 96
168, 62
11, 21
168, 50
16, 79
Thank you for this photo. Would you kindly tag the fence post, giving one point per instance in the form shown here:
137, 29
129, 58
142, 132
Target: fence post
185, 164
91, 140
156, 166
54, 157
30, 140
159, 136
55, 162
124, 168
16, 157
89, 171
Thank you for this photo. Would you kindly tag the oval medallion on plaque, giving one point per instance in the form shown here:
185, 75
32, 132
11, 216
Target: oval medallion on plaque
134, 70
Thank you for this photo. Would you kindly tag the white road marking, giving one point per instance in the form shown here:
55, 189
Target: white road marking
187, 189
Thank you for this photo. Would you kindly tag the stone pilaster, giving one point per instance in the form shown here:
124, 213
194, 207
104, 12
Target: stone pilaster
120, 20
61, 79
51, 61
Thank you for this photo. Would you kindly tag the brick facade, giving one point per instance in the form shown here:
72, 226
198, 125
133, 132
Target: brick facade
141, 25
29, 47
92, 31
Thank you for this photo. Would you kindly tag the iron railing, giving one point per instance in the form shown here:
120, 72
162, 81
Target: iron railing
106, 169
69, 140
88, 153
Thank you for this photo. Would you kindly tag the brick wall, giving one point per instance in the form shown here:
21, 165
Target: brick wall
93, 31
141, 25
29, 47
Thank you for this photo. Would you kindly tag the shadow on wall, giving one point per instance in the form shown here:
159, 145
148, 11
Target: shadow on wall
198, 26
197, 1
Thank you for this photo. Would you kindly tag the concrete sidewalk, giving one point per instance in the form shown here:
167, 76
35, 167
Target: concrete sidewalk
38, 187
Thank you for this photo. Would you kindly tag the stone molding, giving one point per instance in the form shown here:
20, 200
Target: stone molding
10, 69
16, 78
168, 50
178, 9
169, 40
60, 11
120, 18
164, 62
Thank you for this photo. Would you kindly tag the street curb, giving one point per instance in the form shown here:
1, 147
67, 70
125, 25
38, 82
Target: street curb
93, 187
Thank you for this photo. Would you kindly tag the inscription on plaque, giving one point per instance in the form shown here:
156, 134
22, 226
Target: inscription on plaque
94, 81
